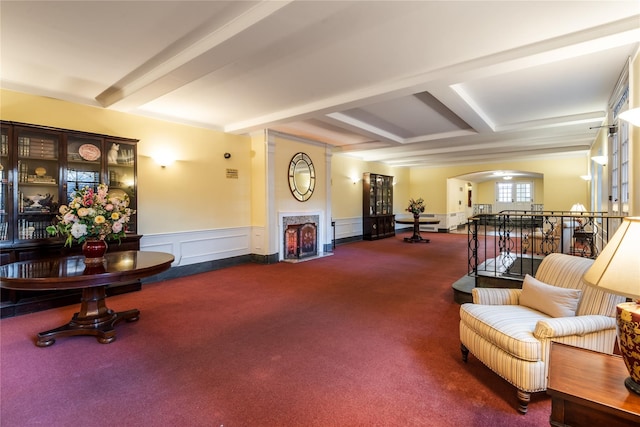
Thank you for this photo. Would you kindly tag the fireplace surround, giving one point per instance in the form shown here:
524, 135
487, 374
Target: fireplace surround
300, 235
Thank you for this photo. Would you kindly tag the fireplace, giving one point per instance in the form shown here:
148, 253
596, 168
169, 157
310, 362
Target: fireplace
301, 241
301, 236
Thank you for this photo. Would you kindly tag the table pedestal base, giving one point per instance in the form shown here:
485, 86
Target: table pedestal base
94, 318
416, 239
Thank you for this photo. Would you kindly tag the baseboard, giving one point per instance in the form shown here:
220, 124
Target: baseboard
200, 267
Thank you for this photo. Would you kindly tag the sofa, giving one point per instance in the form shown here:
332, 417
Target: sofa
511, 330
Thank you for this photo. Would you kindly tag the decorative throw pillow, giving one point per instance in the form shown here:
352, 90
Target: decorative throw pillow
551, 300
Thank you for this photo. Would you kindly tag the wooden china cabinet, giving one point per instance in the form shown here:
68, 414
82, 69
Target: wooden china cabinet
40, 168
378, 220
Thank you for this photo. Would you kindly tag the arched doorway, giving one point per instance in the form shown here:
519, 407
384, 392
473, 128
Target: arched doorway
493, 191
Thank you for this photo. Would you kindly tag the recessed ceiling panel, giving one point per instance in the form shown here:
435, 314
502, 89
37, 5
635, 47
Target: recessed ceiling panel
410, 116
558, 89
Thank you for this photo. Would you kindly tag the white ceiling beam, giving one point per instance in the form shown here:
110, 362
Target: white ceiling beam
151, 83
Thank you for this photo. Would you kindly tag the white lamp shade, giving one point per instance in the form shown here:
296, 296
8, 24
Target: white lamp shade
578, 207
617, 268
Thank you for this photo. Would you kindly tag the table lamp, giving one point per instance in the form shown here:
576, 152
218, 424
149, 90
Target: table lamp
578, 207
617, 270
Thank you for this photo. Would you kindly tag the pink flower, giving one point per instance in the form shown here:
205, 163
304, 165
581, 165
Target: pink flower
116, 227
69, 217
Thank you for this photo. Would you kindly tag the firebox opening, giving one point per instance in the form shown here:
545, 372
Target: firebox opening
301, 241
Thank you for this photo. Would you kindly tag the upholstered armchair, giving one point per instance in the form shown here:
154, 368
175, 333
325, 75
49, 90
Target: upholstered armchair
549, 239
511, 330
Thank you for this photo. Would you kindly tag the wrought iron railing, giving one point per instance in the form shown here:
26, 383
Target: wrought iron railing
512, 243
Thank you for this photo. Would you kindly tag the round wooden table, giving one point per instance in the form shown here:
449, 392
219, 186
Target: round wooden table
416, 237
94, 318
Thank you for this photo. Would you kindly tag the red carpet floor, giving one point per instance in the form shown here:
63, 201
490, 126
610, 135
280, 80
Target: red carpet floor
366, 337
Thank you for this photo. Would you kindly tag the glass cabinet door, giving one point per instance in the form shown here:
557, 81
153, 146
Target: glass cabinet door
5, 195
84, 163
379, 181
37, 182
372, 198
121, 171
388, 200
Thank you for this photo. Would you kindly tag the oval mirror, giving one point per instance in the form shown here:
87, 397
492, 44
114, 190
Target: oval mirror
302, 177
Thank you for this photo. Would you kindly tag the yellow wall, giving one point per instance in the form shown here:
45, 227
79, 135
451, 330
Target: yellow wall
562, 185
346, 197
191, 194
285, 149
258, 182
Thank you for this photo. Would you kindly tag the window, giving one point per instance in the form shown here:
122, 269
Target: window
624, 168
505, 192
523, 192
516, 195
619, 149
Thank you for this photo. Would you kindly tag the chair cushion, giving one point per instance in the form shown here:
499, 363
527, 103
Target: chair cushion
509, 327
551, 300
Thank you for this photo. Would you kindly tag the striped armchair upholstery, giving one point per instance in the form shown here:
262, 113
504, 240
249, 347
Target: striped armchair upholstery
514, 340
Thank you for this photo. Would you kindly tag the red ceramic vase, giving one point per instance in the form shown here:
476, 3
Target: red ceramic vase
628, 320
93, 251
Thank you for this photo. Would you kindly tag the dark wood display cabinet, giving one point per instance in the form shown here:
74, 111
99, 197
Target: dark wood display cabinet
378, 220
40, 168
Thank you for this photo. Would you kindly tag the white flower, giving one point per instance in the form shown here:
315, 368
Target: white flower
78, 230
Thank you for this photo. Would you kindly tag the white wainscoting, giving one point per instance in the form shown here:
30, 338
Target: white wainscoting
192, 247
348, 227
447, 221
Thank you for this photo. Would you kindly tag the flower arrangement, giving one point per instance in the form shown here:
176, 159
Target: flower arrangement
416, 207
92, 215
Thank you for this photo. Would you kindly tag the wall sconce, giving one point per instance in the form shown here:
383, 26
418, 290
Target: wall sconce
601, 160
586, 177
354, 179
164, 158
632, 116
508, 177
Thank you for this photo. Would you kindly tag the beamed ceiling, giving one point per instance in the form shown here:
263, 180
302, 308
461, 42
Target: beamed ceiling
406, 83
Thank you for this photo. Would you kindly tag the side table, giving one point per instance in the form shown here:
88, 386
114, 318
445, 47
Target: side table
586, 239
94, 317
587, 389
416, 237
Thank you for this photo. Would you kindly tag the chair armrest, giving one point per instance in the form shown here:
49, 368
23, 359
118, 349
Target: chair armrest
496, 296
579, 325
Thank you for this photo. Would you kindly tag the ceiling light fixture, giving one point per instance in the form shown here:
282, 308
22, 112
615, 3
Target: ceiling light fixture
613, 129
